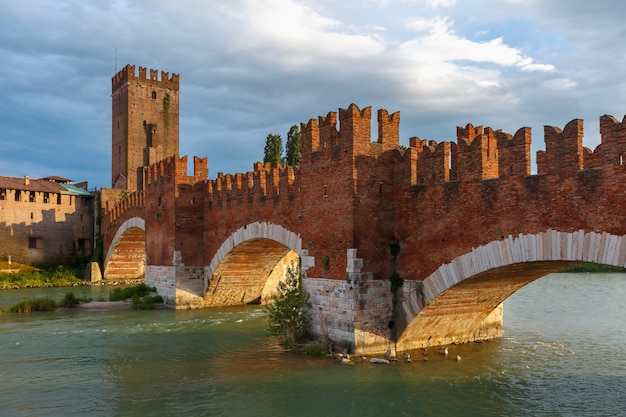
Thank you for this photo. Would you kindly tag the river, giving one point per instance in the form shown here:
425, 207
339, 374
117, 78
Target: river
563, 353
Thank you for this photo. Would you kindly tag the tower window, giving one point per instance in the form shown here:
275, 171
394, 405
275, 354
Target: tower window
154, 95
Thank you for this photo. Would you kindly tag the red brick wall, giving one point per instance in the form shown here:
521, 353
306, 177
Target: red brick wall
436, 200
145, 123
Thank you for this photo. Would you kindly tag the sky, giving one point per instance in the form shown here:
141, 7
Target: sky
249, 68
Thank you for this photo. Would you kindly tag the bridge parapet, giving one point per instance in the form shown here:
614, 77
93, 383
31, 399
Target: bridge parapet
262, 182
483, 153
117, 207
120, 206
480, 153
172, 172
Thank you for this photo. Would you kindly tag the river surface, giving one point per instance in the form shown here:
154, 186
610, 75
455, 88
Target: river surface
563, 354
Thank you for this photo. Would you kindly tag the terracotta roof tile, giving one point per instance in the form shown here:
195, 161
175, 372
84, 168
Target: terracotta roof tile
13, 183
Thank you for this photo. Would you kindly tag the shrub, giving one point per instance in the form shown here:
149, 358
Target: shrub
591, 267
35, 304
145, 303
288, 318
121, 294
70, 300
59, 276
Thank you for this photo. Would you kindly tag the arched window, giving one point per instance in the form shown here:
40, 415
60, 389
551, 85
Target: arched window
154, 95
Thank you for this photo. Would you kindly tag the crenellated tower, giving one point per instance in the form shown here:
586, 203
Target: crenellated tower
145, 123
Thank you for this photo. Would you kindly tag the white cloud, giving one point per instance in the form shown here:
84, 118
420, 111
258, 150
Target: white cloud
440, 42
435, 4
295, 34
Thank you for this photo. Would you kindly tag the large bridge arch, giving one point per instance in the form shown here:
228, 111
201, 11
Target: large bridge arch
249, 264
125, 258
461, 301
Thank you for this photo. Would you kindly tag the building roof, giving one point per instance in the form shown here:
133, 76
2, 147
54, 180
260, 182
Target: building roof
26, 184
58, 179
46, 185
74, 190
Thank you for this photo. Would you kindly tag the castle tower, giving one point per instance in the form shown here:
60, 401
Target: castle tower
144, 123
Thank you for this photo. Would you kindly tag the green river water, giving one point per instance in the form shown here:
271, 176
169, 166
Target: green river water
563, 354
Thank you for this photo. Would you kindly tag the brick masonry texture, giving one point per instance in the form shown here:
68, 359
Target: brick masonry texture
354, 194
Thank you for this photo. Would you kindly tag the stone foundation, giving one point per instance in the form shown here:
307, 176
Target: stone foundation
352, 314
163, 278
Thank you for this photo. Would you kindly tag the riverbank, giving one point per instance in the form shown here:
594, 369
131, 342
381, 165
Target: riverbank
72, 284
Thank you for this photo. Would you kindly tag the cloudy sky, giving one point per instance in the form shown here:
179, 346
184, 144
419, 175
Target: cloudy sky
253, 67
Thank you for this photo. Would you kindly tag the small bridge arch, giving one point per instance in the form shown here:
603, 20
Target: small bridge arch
462, 300
249, 264
125, 258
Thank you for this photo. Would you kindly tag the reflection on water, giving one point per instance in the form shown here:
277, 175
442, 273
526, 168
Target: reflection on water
561, 354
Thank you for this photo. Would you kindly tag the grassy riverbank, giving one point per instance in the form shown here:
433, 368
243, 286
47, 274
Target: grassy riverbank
591, 267
137, 297
25, 276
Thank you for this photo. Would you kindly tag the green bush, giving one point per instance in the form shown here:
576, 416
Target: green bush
145, 303
122, 294
593, 267
288, 316
35, 304
70, 300
56, 277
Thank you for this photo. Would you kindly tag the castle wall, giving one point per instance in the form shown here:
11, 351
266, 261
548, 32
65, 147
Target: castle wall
354, 193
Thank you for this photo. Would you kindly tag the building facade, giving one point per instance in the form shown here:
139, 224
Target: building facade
47, 221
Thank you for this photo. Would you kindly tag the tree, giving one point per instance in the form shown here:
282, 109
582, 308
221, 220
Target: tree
273, 150
288, 317
293, 154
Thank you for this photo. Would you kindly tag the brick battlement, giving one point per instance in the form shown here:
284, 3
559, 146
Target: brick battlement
131, 202
480, 153
129, 74
264, 181
174, 170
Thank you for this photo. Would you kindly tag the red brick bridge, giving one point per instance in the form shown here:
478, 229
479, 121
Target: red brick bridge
472, 223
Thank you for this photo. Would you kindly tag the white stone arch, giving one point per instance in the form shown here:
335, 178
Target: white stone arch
258, 230
128, 224
551, 245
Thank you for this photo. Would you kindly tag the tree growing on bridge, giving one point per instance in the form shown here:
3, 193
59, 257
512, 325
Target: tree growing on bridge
273, 150
288, 316
292, 153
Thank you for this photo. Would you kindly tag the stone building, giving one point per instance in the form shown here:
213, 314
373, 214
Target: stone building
47, 221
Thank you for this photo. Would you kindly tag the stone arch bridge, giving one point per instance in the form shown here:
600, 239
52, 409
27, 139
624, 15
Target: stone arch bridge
473, 223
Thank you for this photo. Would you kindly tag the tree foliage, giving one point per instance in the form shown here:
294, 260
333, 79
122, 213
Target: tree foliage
273, 150
292, 153
288, 316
